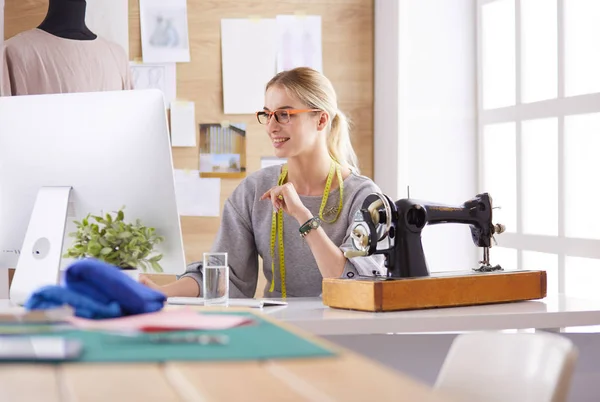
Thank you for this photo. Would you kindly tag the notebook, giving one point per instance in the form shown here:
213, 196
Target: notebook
252, 303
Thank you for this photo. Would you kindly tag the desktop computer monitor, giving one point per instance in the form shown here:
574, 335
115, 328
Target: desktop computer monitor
66, 155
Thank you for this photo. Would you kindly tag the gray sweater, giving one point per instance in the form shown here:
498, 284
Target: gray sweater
245, 234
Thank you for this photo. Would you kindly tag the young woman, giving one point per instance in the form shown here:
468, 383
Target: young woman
298, 216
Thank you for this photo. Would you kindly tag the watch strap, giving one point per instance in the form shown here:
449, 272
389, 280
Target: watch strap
312, 223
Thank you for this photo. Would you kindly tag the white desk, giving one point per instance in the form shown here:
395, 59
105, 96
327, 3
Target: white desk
549, 313
366, 333
552, 312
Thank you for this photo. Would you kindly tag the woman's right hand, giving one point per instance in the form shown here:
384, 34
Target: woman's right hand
184, 287
144, 280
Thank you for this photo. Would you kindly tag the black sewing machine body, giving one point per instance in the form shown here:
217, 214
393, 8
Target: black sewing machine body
400, 224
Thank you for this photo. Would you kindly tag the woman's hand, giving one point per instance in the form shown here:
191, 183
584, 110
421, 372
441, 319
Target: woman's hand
285, 197
144, 280
184, 287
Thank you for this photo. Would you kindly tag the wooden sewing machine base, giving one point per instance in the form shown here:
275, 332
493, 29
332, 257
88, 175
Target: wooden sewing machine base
443, 289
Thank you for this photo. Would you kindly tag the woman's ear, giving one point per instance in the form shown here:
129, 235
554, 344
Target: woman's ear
323, 121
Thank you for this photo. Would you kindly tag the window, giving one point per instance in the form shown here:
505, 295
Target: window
539, 136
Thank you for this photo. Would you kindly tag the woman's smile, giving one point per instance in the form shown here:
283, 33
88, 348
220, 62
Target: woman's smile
278, 142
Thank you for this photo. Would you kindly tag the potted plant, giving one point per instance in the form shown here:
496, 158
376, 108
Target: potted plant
109, 238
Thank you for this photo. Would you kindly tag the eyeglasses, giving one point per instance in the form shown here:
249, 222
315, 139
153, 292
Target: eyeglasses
282, 116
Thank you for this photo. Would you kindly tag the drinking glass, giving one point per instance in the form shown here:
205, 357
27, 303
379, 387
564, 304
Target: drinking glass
215, 284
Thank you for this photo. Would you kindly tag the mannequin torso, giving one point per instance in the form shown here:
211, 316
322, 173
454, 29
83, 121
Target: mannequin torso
66, 19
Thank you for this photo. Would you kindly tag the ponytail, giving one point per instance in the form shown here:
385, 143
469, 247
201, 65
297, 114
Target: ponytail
339, 144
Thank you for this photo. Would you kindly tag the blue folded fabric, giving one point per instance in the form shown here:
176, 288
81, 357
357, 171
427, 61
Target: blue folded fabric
50, 297
96, 289
106, 283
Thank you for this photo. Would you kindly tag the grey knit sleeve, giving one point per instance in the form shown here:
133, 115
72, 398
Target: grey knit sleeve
361, 266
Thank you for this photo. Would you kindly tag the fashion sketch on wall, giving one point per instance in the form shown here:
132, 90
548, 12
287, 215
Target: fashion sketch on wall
164, 31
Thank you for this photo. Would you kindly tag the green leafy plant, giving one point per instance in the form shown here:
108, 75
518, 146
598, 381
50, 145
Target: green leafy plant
109, 238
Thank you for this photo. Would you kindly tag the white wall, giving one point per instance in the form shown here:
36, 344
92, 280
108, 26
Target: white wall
431, 142
388, 142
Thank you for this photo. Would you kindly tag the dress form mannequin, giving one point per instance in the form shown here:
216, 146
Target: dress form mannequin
62, 55
66, 19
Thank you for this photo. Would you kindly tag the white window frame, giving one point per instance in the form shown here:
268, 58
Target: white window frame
553, 108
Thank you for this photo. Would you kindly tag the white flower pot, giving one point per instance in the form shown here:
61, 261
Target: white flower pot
132, 273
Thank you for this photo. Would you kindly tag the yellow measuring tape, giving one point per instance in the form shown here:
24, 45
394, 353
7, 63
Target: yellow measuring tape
277, 222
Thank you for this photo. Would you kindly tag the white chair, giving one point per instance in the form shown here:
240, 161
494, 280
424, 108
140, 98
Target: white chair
521, 367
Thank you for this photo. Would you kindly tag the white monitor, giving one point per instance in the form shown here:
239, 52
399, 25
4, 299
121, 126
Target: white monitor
90, 152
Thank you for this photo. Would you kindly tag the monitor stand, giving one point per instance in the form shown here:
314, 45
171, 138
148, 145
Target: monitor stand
41, 253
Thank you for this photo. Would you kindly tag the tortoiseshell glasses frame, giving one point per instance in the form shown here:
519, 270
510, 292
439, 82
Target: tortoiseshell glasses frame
281, 115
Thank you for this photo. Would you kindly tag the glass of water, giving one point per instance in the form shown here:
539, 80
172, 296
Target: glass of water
215, 284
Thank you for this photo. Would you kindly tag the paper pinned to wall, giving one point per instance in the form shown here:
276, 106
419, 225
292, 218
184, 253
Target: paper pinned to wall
2, 66
197, 196
164, 29
109, 19
1, 23
162, 76
248, 51
299, 42
183, 124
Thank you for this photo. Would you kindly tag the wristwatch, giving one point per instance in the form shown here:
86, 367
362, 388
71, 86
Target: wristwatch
312, 223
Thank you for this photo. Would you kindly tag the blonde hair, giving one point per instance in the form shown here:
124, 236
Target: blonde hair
315, 90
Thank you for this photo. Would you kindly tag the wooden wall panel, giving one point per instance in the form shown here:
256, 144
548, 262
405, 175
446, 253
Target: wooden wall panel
347, 61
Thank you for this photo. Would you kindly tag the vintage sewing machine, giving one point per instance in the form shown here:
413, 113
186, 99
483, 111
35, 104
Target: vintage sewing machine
400, 225
393, 229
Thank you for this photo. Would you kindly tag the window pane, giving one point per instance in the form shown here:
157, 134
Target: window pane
582, 276
506, 257
582, 56
539, 165
533, 260
539, 45
498, 53
500, 172
582, 186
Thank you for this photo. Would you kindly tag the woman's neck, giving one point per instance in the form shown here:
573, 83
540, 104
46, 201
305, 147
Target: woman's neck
308, 173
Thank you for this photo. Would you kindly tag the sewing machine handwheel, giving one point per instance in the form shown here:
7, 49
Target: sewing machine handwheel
379, 204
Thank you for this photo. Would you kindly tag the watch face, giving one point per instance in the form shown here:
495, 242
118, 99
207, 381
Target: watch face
314, 224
